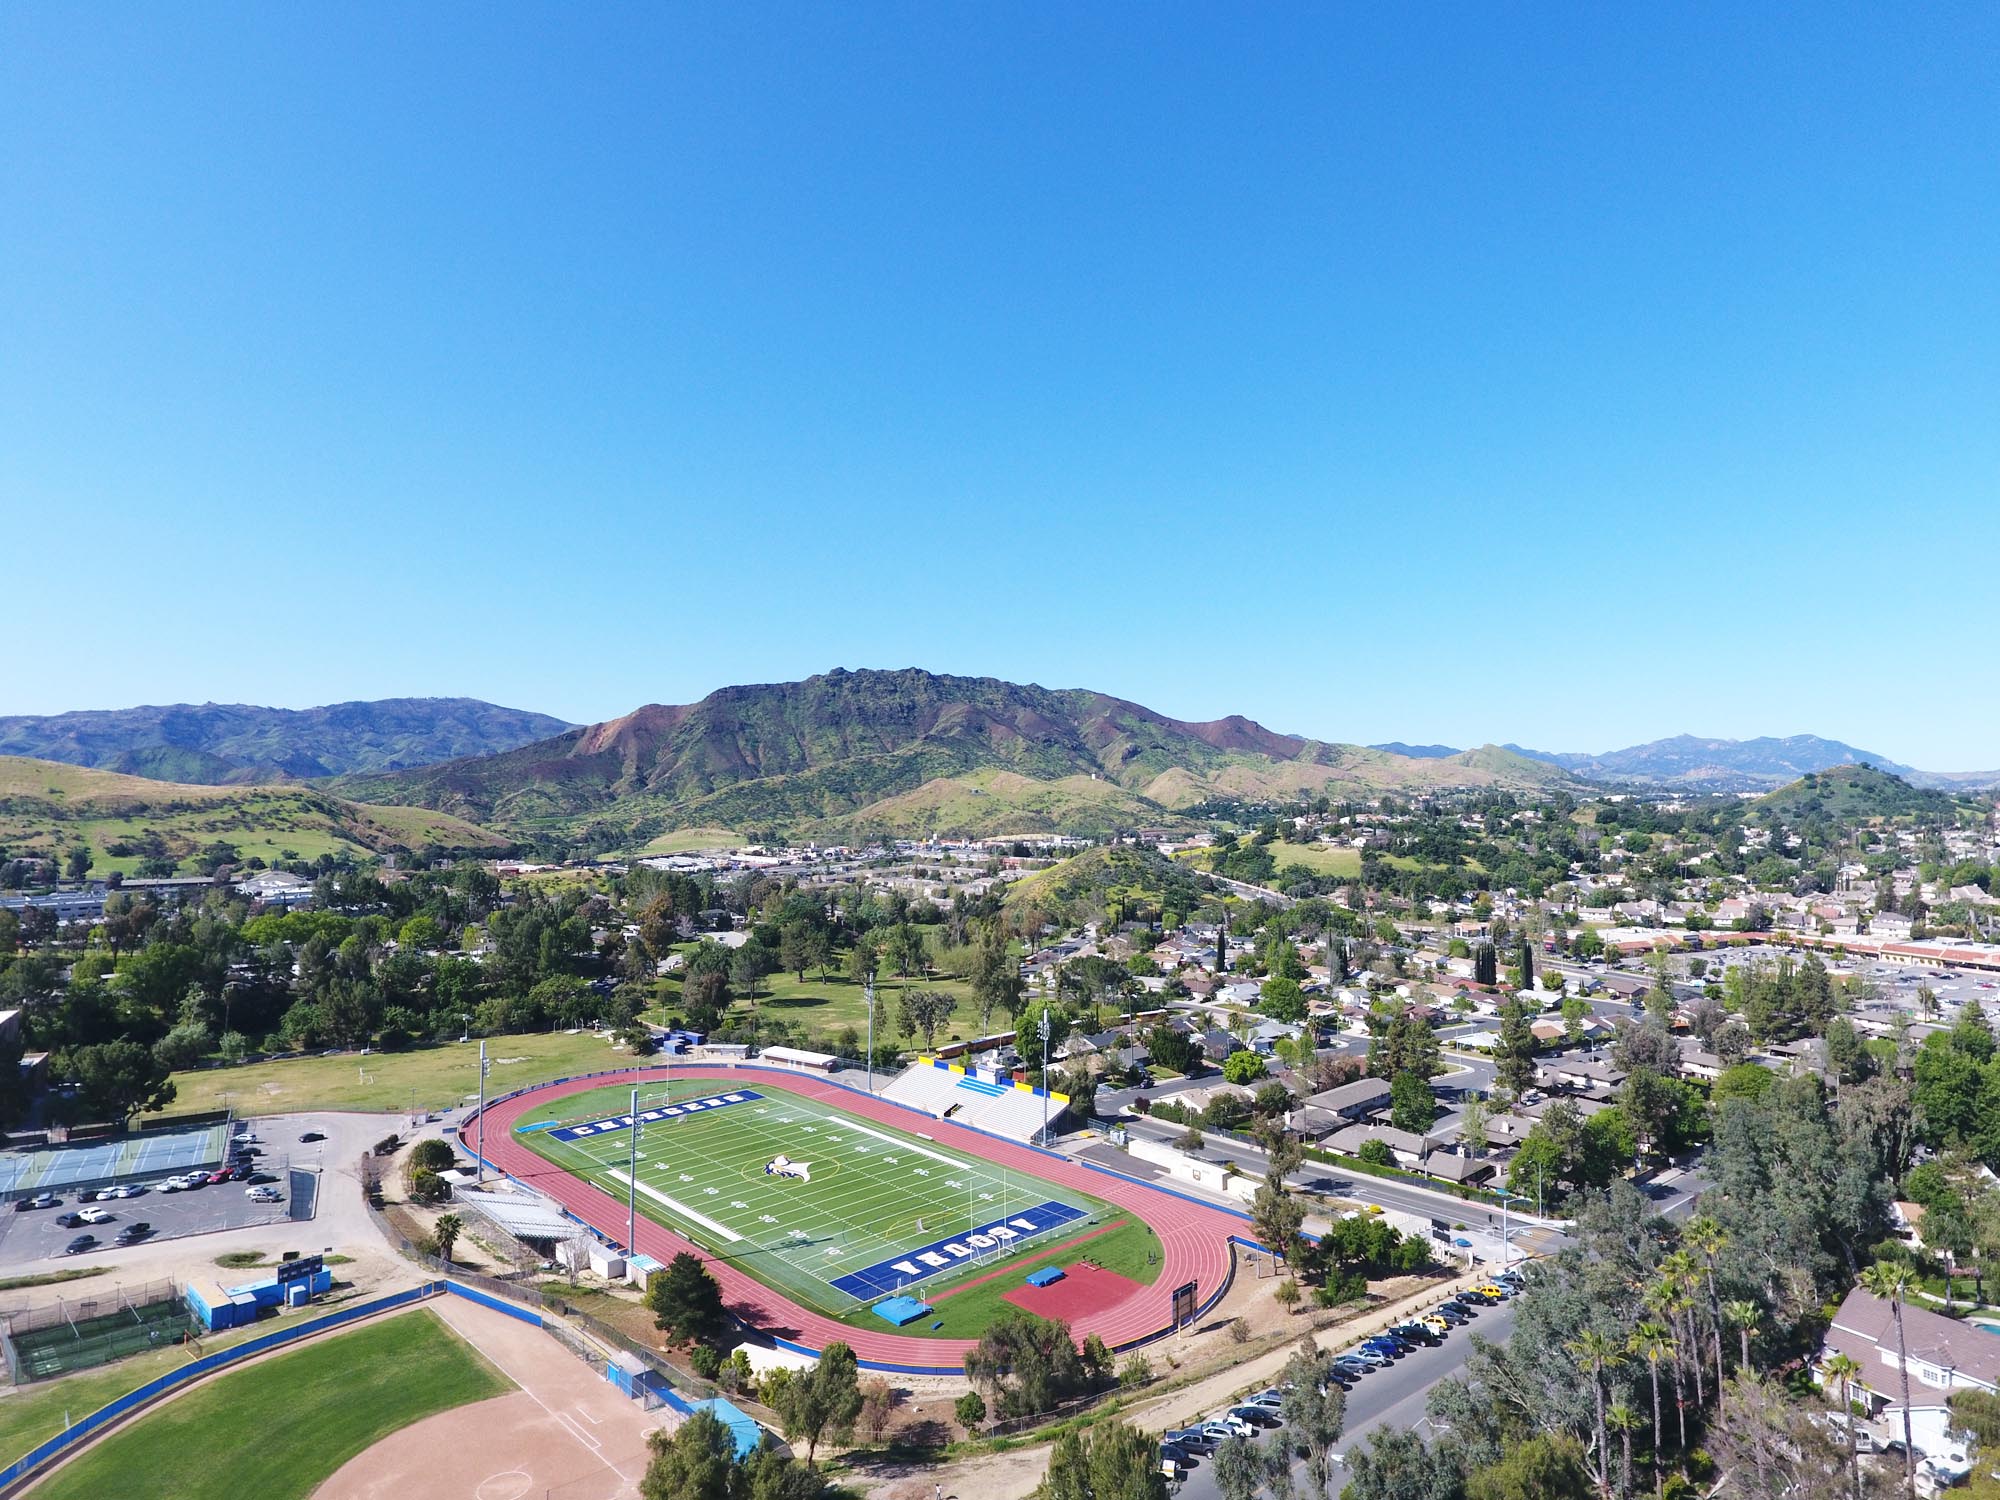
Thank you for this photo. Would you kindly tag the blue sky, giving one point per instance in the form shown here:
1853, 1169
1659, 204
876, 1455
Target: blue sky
1570, 376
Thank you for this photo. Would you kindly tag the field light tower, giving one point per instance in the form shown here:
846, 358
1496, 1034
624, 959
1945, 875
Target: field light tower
1045, 1075
868, 994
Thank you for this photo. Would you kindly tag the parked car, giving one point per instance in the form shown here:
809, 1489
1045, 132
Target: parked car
1352, 1364
310, 1136
1436, 1323
1387, 1347
44, 1200
1216, 1432
1269, 1401
80, 1244
131, 1234
1237, 1426
70, 1221
1372, 1359
94, 1216
1453, 1313
1256, 1416
265, 1195
1192, 1439
256, 1177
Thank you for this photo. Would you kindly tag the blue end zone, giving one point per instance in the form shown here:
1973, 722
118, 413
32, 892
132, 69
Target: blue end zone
938, 1256
615, 1123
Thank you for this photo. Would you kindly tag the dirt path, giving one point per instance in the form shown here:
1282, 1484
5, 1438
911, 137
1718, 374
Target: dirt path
567, 1434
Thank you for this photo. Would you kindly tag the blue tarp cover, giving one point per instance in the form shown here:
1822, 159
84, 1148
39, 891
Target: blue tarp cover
900, 1310
1047, 1276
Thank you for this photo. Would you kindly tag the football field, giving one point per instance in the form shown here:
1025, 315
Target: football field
831, 1210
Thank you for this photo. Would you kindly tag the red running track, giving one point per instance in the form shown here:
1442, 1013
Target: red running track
1194, 1238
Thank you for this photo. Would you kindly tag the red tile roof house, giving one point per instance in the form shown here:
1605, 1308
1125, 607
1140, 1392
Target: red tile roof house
1945, 1355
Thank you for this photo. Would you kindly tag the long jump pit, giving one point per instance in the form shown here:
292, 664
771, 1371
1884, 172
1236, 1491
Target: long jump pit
566, 1434
1084, 1287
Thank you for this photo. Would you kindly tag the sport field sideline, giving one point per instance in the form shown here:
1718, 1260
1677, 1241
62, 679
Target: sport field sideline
833, 1212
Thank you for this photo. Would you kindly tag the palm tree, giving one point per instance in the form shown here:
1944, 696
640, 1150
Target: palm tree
1707, 1238
1652, 1342
1843, 1368
1743, 1317
1595, 1353
1622, 1419
1665, 1299
1683, 1273
1890, 1280
447, 1232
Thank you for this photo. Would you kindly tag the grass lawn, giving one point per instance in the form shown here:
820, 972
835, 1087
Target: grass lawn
437, 1077
692, 841
1318, 858
826, 1006
277, 1429
1129, 1248
853, 1230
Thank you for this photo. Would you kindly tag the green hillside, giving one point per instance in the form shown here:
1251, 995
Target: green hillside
898, 752
1855, 794
47, 808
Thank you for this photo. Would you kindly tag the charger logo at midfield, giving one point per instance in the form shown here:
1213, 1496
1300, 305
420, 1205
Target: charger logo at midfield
784, 1166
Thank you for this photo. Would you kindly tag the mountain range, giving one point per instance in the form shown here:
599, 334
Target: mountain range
1690, 763
225, 744
844, 755
870, 752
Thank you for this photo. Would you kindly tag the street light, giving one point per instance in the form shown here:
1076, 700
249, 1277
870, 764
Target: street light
1504, 1195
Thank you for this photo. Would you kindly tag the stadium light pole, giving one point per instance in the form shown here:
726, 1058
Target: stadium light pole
868, 994
481, 1178
632, 1183
1045, 1075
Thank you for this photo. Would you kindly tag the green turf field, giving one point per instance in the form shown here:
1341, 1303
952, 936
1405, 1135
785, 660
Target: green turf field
874, 1194
277, 1429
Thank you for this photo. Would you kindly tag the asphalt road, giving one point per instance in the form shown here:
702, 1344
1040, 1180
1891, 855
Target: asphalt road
1394, 1396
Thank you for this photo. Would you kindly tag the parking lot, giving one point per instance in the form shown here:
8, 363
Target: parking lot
1381, 1388
33, 1235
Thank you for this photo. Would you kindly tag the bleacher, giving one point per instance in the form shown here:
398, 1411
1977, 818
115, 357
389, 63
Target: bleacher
945, 1091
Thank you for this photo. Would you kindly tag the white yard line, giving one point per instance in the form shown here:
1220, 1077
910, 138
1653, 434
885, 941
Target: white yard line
902, 1145
678, 1207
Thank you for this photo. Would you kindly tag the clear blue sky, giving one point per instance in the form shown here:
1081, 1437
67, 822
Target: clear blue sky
1570, 376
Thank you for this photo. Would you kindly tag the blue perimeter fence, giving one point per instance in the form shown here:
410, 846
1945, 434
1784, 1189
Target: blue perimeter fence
210, 1364
470, 1125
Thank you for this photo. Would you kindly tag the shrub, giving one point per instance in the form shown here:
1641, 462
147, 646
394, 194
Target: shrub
433, 1154
1239, 1331
428, 1187
707, 1361
970, 1411
1135, 1371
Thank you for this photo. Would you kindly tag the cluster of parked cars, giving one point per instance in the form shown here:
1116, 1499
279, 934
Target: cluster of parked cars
1180, 1449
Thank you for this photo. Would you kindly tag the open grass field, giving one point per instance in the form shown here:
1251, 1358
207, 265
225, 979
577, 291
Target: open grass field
1321, 859
277, 1429
878, 1210
692, 841
436, 1077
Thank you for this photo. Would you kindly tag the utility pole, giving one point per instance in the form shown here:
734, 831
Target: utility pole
632, 1183
1504, 1196
1045, 1075
481, 1180
868, 993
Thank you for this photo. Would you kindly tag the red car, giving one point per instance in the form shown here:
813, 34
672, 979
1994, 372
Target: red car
220, 1176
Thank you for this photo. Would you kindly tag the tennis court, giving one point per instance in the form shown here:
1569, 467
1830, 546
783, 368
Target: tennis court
152, 1154
828, 1209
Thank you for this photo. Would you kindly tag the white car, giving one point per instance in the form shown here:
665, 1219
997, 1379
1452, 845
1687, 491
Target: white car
264, 1194
1237, 1426
172, 1185
92, 1216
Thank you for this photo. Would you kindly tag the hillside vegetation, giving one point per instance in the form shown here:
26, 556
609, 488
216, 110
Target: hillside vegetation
239, 743
48, 809
901, 752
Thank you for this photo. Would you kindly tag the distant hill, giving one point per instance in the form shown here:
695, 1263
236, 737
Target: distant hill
48, 808
1694, 764
236, 744
903, 751
1854, 793
1420, 752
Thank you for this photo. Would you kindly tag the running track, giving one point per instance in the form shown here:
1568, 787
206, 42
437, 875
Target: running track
1194, 1238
